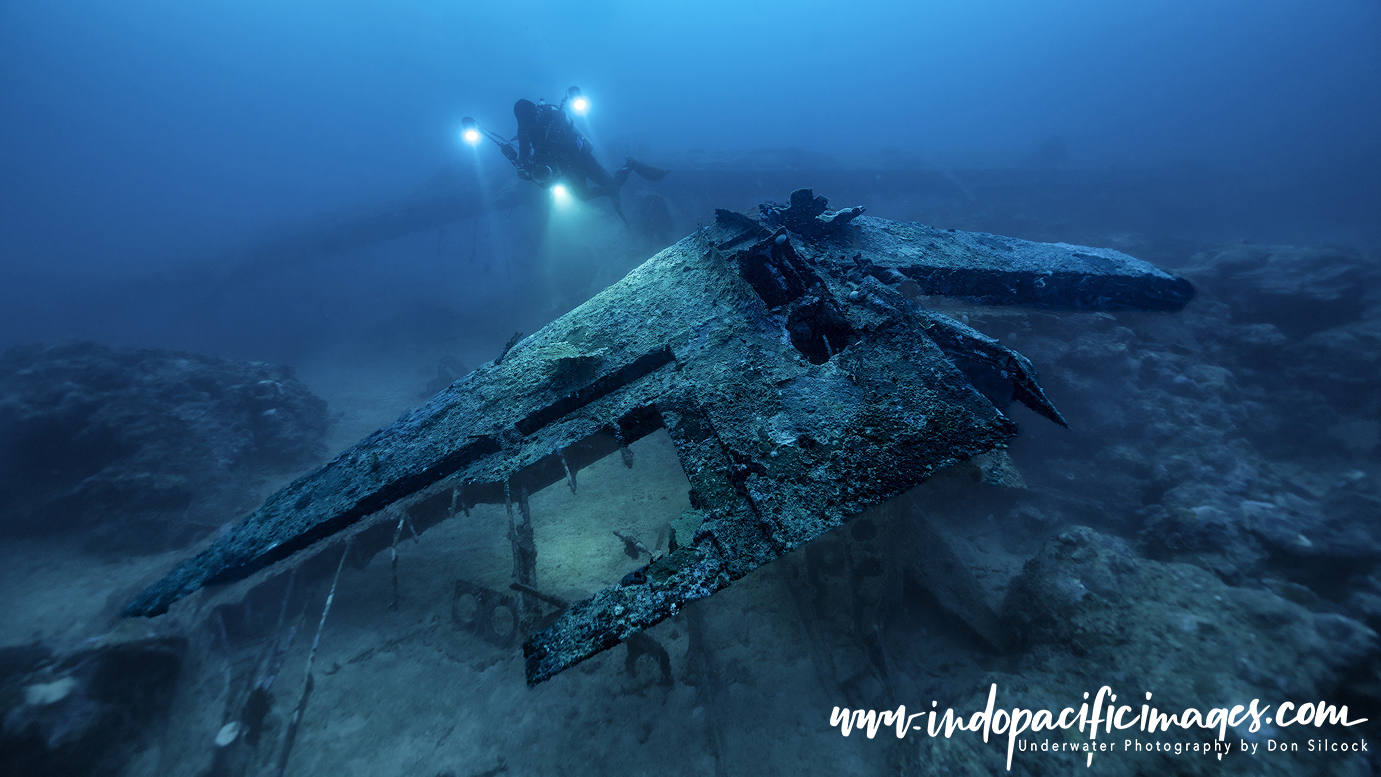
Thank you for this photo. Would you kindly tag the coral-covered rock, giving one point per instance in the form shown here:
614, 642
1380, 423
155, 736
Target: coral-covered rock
1089, 596
1088, 612
144, 449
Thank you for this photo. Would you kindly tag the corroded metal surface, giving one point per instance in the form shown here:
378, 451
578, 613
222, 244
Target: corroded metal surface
797, 381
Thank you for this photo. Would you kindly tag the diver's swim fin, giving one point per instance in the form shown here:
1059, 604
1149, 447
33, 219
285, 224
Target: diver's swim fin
646, 171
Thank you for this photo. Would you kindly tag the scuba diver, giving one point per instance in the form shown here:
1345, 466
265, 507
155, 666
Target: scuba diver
551, 150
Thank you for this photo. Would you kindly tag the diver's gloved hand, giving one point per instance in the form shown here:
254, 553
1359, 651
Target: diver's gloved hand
646, 171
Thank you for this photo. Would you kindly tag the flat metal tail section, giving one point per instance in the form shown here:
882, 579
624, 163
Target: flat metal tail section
997, 270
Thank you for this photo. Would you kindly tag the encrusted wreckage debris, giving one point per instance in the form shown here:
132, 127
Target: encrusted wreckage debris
798, 383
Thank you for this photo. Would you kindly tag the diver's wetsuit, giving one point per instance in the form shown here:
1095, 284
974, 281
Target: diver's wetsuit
548, 137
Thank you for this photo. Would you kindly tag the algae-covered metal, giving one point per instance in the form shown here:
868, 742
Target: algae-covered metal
797, 381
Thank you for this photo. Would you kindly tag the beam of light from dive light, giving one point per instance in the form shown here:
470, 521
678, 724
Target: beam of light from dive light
560, 195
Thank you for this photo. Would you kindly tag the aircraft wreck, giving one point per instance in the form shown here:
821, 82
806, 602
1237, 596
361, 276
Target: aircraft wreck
784, 353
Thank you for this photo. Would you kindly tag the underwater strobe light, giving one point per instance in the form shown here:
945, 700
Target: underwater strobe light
560, 195
578, 102
470, 130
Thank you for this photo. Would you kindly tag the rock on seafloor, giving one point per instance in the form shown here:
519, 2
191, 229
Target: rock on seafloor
142, 450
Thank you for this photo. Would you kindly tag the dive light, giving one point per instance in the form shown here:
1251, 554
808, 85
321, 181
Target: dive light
470, 130
578, 102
